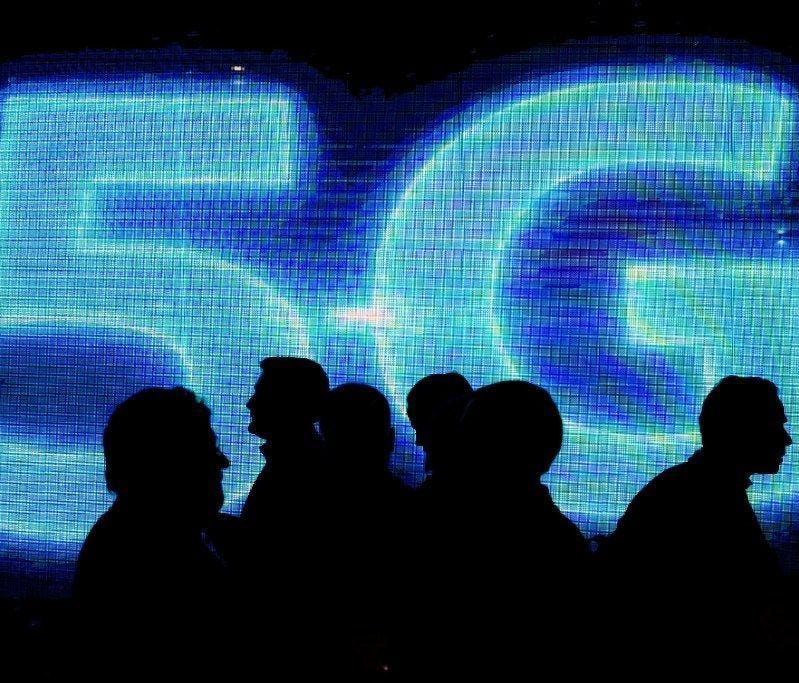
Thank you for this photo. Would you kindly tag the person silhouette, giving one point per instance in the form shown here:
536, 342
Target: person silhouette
285, 530
284, 409
435, 405
371, 521
146, 580
508, 564
689, 558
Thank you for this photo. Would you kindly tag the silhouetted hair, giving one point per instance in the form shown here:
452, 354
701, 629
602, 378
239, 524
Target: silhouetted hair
430, 393
148, 429
732, 404
300, 383
515, 422
355, 415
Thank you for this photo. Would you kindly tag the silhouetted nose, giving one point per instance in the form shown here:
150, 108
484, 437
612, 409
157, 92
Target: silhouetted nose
250, 402
788, 439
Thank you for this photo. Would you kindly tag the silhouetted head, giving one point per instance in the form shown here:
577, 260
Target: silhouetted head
513, 429
356, 427
425, 400
744, 418
161, 453
288, 396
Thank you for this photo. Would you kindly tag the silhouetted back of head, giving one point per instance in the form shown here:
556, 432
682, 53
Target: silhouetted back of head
744, 417
288, 395
512, 427
356, 427
161, 452
432, 392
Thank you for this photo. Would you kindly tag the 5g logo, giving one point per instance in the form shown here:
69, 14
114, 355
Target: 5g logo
478, 267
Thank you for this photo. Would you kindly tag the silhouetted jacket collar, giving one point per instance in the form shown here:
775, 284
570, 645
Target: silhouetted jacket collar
295, 452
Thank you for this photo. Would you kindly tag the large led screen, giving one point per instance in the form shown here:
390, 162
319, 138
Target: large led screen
614, 222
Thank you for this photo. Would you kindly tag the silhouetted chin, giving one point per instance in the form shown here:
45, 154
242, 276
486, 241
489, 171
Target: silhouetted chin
770, 466
212, 507
252, 428
776, 466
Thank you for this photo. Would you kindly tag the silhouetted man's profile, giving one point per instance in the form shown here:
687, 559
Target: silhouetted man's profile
506, 569
284, 519
435, 406
146, 579
370, 512
284, 409
689, 546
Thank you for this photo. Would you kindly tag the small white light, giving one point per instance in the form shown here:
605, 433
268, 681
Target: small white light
781, 243
238, 68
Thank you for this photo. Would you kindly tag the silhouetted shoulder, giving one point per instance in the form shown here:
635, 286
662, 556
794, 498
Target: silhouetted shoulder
123, 561
686, 495
553, 536
104, 551
669, 488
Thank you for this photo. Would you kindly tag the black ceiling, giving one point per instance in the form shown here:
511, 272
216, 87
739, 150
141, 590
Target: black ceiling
391, 46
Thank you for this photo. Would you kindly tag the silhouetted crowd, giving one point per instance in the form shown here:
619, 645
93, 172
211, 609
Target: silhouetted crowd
336, 570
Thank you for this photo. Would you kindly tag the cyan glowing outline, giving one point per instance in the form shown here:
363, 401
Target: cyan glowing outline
275, 99
680, 276
89, 236
768, 163
257, 303
21, 319
725, 350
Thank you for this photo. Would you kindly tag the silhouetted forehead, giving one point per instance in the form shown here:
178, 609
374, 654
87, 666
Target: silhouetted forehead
292, 374
779, 411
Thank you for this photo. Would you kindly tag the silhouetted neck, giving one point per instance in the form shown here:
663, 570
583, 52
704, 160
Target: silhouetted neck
305, 435
146, 516
512, 488
725, 468
290, 449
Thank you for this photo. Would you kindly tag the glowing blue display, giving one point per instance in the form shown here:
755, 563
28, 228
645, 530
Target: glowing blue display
512, 252
713, 138
617, 233
109, 284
